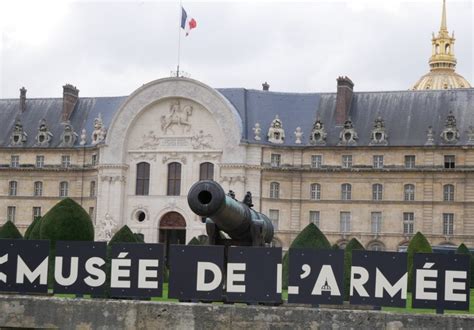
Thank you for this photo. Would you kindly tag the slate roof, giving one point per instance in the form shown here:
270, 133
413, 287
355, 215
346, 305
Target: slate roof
407, 114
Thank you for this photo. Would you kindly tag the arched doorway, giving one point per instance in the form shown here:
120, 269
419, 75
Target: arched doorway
172, 230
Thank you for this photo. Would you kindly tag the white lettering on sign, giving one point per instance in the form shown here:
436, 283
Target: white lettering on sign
117, 271
381, 284
451, 285
73, 270
357, 284
422, 284
145, 274
201, 284
326, 280
232, 277
93, 268
23, 271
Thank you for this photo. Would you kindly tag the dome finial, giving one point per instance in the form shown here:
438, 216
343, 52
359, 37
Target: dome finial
443, 18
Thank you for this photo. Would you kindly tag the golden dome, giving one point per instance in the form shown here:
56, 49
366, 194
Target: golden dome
442, 62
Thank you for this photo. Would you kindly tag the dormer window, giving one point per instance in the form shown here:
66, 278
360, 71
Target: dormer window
379, 135
318, 134
348, 135
276, 133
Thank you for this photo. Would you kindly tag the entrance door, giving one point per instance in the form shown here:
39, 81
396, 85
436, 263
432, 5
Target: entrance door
172, 231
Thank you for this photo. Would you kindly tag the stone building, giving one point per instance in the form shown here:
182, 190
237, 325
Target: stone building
378, 166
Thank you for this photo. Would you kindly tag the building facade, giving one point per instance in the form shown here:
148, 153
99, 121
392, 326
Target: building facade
378, 166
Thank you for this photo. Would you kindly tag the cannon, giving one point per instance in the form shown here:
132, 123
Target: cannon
223, 213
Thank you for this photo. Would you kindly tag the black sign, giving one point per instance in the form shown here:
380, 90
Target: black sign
136, 270
196, 272
316, 277
378, 278
80, 267
254, 275
441, 281
24, 265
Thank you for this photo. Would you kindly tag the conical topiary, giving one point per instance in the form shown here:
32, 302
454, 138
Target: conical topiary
310, 237
335, 247
9, 230
124, 235
36, 229
418, 244
353, 244
462, 249
66, 221
30, 227
139, 237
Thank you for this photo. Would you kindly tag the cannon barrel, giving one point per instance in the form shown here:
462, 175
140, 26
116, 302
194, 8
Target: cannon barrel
207, 199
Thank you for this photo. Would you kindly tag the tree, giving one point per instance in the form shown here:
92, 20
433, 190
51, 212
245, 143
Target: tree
310, 237
36, 229
66, 221
9, 230
124, 235
418, 244
353, 244
462, 249
31, 226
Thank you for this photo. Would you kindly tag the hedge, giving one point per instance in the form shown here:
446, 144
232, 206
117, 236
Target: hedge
462, 249
418, 244
29, 230
9, 230
310, 237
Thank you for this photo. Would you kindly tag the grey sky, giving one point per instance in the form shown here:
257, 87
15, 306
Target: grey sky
113, 47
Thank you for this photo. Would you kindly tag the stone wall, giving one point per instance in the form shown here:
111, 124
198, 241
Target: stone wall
63, 313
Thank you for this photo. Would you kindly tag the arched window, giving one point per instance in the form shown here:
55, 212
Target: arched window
377, 192
274, 190
346, 192
63, 189
174, 179
12, 188
409, 192
143, 179
206, 171
38, 188
315, 191
437, 48
447, 49
376, 246
448, 192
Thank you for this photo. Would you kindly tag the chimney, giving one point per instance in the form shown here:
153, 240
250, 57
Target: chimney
345, 89
70, 97
23, 99
265, 86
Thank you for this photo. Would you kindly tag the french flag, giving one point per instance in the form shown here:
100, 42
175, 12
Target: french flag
187, 23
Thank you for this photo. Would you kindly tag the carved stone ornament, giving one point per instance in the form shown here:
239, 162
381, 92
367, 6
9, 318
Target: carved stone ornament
201, 140
379, 135
150, 141
318, 133
113, 178
276, 133
143, 156
348, 135
177, 116
232, 179
44, 136
173, 156
18, 137
257, 130
100, 132
298, 135
429, 137
106, 228
68, 136
83, 137
470, 135
450, 133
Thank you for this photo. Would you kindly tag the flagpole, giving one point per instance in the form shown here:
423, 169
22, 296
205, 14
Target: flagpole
179, 34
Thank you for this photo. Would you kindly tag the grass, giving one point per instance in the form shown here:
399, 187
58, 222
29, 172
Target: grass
408, 309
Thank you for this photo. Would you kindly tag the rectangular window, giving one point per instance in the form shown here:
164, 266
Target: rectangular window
94, 160
345, 222
92, 189
408, 222
314, 217
12, 189
39, 161
410, 161
65, 160
346, 161
346, 192
275, 160
376, 222
449, 161
378, 161
63, 189
91, 214
36, 212
448, 223
11, 211
38, 189
377, 192
15, 161
316, 161
274, 216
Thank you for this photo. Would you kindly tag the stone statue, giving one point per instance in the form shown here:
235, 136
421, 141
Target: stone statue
470, 135
429, 137
248, 199
83, 137
178, 116
100, 132
150, 141
231, 194
276, 133
106, 229
257, 131
298, 135
201, 140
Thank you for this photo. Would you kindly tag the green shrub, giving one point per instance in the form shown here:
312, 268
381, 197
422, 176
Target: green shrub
9, 230
353, 244
36, 229
418, 244
124, 235
66, 221
139, 237
462, 249
335, 246
310, 237
30, 227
